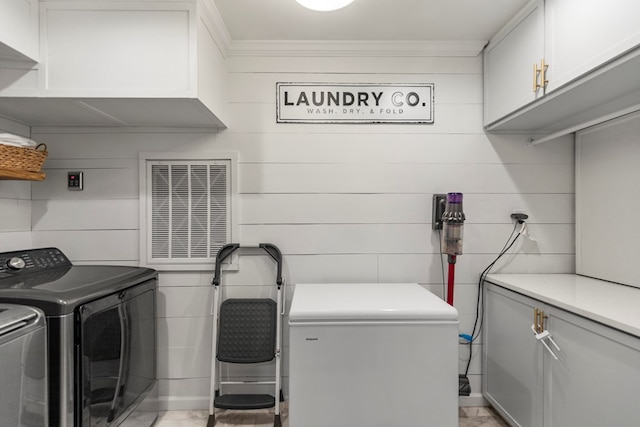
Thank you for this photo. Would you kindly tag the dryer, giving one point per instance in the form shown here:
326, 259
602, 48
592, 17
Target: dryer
101, 329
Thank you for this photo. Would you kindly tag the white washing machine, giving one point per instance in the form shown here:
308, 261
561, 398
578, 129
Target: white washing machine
372, 354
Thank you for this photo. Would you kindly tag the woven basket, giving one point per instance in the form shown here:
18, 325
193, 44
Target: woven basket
21, 158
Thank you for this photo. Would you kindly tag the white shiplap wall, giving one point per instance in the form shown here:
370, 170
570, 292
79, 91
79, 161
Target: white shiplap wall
345, 203
15, 202
15, 215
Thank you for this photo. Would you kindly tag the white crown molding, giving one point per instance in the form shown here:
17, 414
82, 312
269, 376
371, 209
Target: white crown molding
344, 48
216, 25
355, 48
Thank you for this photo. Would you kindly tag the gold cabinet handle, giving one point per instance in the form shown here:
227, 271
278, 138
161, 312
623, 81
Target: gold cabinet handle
538, 320
540, 74
541, 332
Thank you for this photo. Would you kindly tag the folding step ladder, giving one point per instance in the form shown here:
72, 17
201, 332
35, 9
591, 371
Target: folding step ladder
246, 330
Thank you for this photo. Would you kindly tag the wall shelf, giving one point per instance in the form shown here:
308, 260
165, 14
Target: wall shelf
22, 175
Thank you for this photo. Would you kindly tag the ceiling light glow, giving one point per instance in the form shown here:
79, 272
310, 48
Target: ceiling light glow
324, 5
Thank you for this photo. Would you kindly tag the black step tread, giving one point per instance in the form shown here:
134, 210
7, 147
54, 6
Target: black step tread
244, 401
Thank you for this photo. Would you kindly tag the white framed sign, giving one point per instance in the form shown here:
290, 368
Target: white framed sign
354, 103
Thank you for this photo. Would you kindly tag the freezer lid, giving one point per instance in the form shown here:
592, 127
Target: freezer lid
335, 302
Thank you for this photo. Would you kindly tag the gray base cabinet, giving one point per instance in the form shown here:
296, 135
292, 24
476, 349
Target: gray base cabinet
592, 383
512, 377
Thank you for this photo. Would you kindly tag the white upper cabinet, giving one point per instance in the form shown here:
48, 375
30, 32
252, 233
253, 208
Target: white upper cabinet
581, 35
510, 61
19, 30
129, 51
115, 63
562, 63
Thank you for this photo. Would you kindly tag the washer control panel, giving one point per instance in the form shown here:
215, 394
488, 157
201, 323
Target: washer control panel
32, 261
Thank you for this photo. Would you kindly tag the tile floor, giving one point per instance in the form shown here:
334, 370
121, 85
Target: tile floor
469, 417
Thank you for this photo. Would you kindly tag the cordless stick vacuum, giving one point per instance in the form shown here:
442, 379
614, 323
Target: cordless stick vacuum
452, 221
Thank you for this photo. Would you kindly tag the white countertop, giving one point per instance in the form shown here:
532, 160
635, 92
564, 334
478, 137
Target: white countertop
609, 303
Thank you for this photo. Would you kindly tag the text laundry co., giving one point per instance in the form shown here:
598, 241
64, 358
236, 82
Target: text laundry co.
354, 103
348, 99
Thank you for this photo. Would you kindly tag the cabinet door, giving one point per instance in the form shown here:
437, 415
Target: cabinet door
19, 29
512, 358
509, 61
594, 382
583, 34
118, 49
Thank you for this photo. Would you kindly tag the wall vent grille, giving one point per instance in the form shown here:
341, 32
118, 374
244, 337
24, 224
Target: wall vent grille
189, 209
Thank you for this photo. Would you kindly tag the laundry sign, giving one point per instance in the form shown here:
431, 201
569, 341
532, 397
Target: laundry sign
354, 103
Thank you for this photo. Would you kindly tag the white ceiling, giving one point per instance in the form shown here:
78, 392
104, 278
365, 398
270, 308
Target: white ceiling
367, 20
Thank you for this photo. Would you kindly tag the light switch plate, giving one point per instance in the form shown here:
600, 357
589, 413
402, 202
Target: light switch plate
75, 181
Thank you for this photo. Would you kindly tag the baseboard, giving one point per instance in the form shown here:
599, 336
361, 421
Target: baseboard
192, 403
188, 403
474, 399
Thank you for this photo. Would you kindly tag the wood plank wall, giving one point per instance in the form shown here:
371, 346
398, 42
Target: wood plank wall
15, 215
345, 203
15, 202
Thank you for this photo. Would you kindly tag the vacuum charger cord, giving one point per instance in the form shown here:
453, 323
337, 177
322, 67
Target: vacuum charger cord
477, 325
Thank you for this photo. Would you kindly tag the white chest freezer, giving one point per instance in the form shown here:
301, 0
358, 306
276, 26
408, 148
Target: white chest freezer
372, 354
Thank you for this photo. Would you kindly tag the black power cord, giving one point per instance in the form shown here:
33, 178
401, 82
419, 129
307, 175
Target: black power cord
477, 325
